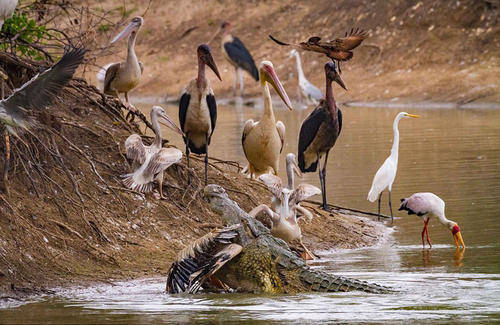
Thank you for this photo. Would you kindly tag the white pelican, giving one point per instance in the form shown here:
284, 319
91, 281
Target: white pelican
122, 77
198, 109
263, 140
387, 172
284, 220
237, 55
309, 91
153, 159
425, 204
320, 131
7, 8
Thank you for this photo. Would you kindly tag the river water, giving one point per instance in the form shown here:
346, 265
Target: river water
450, 152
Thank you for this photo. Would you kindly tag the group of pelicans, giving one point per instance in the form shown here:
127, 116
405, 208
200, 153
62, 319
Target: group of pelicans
262, 140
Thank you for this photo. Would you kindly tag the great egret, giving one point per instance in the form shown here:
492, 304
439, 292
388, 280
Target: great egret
387, 172
309, 91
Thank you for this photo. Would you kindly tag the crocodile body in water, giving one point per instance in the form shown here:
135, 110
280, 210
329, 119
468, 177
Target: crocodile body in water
245, 257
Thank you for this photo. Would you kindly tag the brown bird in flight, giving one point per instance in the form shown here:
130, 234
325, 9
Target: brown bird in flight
339, 49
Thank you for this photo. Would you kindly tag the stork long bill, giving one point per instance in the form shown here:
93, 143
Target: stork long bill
458, 239
209, 60
168, 122
273, 79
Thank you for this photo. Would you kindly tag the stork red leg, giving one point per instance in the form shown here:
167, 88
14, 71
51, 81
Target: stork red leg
427, 231
423, 232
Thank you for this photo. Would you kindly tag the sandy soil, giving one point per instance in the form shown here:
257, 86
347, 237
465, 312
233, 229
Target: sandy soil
417, 50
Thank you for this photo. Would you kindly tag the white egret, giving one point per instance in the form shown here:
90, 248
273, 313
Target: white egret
309, 91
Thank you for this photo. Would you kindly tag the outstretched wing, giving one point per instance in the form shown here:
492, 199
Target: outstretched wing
41, 90
162, 160
302, 192
202, 257
273, 183
135, 149
350, 41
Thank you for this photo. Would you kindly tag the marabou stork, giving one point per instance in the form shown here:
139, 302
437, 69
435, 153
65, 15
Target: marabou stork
308, 90
122, 77
237, 54
7, 8
425, 204
39, 92
387, 172
263, 140
339, 49
149, 162
284, 219
198, 109
320, 130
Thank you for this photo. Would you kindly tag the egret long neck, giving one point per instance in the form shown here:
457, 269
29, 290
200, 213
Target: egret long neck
131, 57
299, 68
330, 101
268, 106
201, 81
395, 142
157, 130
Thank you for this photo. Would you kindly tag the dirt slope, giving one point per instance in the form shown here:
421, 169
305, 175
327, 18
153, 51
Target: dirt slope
417, 50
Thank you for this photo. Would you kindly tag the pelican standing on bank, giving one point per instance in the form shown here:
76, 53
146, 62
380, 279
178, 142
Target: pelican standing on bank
387, 172
426, 204
198, 109
320, 131
151, 160
122, 77
263, 140
7, 8
237, 54
308, 90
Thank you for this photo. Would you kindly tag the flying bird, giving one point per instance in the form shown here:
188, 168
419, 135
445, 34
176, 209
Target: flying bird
198, 109
151, 161
339, 49
237, 55
426, 204
387, 172
320, 131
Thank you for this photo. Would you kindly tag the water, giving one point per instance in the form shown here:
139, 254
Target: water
453, 153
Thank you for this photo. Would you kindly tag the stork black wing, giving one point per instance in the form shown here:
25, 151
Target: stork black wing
340, 120
237, 51
41, 89
212, 107
308, 132
183, 107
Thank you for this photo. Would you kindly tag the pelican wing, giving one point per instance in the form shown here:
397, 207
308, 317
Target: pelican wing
239, 54
202, 258
302, 192
280, 127
111, 72
41, 90
247, 128
161, 161
135, 148
273, 183
101, 75
212, 108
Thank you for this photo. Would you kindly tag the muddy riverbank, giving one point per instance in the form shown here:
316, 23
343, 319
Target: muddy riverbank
65, 218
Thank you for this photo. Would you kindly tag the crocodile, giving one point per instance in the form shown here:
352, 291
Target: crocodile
244, 257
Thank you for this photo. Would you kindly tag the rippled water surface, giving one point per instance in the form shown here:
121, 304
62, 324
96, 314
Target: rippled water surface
453, 153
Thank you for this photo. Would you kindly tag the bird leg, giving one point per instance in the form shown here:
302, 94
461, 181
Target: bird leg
131, 109
322, 179
235, 81
427, 232
6, 163
241, 81
379, 199
186, 139
423, 232
390, 207
206, 162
